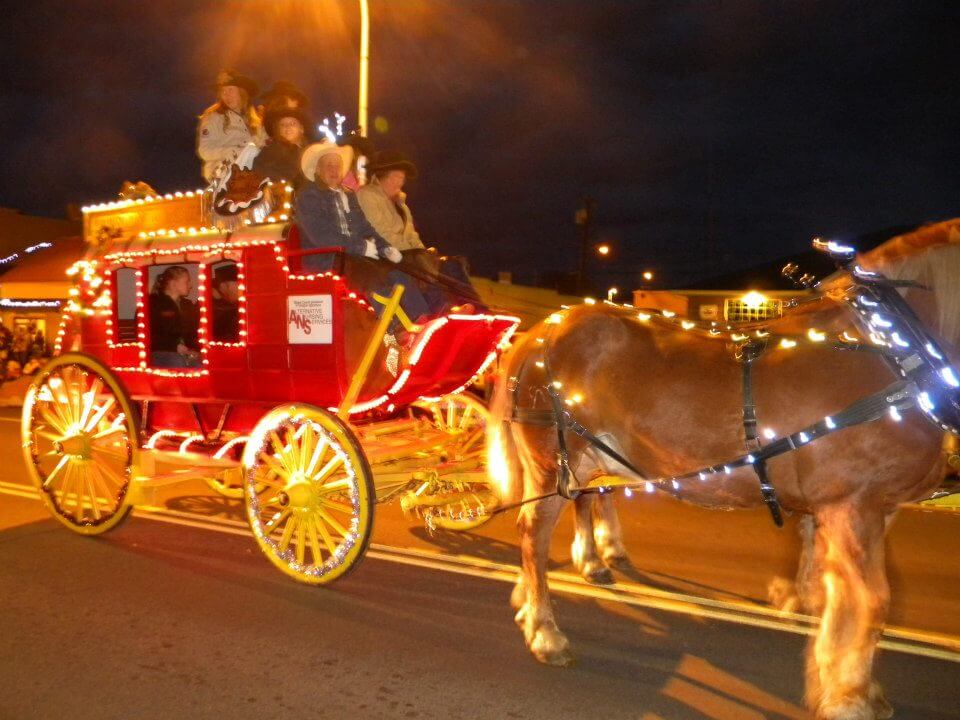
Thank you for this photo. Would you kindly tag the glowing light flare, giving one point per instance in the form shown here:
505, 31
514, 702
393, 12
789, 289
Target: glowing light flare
786, 343
815, 335
754, 299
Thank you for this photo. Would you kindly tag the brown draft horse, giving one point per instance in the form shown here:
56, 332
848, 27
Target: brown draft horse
671, 401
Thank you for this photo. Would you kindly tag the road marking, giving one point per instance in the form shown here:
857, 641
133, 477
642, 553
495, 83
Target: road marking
912, 642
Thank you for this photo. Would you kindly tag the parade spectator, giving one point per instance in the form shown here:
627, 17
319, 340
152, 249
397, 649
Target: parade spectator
38, 347
329, 215
173, 321
21, 345
226, 303
230, 126
280, 159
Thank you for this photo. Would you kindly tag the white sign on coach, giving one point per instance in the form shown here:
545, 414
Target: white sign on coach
310, 319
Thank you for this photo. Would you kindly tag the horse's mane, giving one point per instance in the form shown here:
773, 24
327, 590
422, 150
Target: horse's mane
930, 256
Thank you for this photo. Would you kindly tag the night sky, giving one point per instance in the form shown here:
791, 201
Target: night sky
711, 134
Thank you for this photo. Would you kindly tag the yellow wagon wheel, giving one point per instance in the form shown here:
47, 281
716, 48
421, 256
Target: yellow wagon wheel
463, 419
309, 493
80, 442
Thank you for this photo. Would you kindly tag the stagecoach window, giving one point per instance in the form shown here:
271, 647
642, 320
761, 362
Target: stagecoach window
224, 301
125, 282
174, 315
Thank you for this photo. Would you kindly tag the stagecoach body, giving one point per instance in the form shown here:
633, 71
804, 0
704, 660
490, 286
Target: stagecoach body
309, 379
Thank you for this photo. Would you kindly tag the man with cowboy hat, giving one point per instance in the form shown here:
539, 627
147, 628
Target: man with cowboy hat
384, 202
329, 215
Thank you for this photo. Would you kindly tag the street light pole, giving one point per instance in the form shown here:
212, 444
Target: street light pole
364, 62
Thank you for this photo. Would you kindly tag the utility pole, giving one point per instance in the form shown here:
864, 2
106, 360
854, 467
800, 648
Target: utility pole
584, 218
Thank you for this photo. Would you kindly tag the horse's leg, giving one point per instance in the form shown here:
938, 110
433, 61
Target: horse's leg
543, 637
607, 532
584, 548
810, 572
849, 539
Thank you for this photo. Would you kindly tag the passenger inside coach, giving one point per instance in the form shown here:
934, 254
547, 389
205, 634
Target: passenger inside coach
225, 290
174, 320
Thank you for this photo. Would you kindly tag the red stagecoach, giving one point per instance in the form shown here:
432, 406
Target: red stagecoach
306, 411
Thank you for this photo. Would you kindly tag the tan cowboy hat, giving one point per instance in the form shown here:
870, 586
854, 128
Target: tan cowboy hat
308, 161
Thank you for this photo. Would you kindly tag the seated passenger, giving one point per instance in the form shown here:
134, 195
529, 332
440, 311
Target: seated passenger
226, 304
329, 215
280, 159
385, 205
174, 321
230, 125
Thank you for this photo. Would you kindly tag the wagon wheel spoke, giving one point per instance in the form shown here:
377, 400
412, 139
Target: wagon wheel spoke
87, 400
301, 539
288, 529
314, 542
56, 472
325, 534
332, 522
99, 413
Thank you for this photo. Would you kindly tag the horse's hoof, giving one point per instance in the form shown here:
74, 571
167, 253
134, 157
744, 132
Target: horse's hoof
551, 647
554, 658
599, 576
846, 710
618, 561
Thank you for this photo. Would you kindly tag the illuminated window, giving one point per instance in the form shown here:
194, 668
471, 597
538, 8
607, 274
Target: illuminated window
740, 310
125, 284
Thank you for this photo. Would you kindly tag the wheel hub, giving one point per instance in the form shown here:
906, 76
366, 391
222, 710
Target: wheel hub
299, 494
79, 445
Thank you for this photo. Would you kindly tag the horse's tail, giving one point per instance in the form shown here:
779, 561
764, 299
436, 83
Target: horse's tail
503, 462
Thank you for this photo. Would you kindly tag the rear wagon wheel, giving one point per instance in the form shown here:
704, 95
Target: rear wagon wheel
80, 443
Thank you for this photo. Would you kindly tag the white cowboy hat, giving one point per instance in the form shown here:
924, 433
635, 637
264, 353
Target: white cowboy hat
308, 161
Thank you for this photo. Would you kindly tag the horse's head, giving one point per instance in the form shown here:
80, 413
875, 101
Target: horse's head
929, 256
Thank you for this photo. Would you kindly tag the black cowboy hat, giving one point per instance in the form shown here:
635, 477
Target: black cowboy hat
284, 88
232, 77
392, 160
275, 115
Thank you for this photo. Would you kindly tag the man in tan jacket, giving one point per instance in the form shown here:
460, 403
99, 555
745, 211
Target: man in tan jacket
384, 202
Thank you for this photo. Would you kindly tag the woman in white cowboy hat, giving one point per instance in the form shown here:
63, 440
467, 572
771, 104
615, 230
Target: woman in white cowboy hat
329, 215
229, 125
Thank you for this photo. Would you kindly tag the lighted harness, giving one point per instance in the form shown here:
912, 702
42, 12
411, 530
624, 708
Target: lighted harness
928, 381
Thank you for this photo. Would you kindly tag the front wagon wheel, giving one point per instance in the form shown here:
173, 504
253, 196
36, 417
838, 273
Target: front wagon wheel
80, 443
309, 493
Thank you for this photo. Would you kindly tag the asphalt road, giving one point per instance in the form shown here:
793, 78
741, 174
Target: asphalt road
175, 614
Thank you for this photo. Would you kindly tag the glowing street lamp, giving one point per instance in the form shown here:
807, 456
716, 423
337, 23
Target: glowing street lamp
603, 249
648, 275
612, 293
364, 65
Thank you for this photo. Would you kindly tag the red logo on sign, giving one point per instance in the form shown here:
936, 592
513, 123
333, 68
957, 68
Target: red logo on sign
300, 321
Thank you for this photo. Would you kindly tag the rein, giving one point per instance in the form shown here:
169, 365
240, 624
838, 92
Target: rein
927, 381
